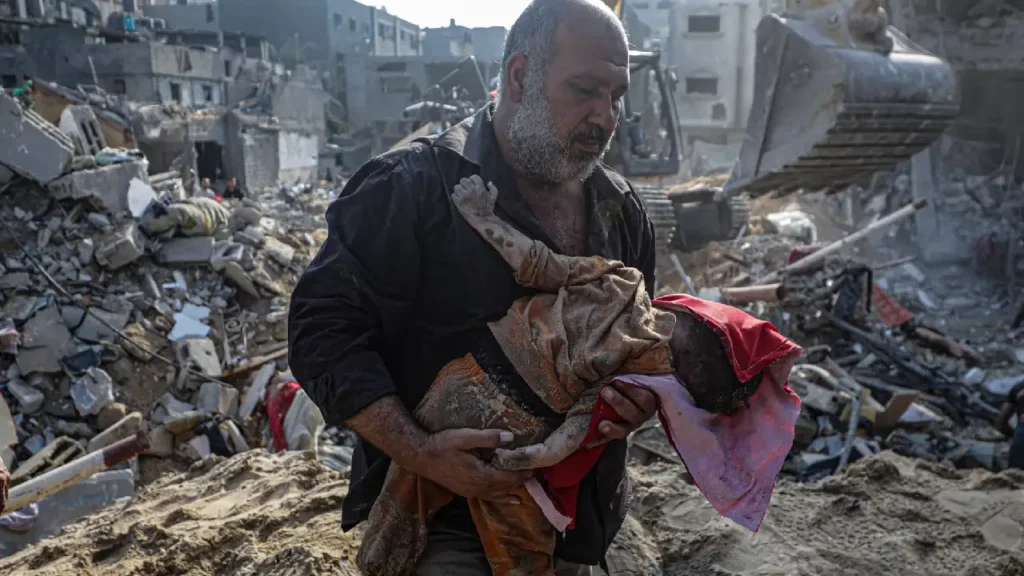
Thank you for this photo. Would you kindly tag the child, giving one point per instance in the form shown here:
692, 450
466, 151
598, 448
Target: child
591, 322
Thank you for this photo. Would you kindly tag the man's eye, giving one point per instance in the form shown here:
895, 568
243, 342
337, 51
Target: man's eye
586, 91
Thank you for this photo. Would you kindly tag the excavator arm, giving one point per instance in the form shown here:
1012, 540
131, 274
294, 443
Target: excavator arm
838, 96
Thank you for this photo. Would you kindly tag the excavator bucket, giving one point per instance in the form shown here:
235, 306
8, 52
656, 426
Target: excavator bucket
829, 111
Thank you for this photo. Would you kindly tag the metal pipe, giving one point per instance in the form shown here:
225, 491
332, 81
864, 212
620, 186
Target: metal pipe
75, 471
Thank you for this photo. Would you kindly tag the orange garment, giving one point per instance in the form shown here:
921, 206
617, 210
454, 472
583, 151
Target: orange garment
591, 321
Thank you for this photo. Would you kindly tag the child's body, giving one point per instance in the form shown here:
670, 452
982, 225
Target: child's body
590, 321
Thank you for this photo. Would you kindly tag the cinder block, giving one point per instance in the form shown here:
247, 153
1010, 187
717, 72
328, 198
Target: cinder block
80, 124
31, 146
120, 247
105, 187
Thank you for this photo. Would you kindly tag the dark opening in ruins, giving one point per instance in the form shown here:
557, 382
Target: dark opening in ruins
209, 160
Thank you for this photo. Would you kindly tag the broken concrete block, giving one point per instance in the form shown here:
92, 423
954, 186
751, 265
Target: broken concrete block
279, 251
92, 329
140, 195
80, 125
201, 355
250, 236
186, 327
255, 393
72, 429
71, 504
92, 392
13, 280
161, 442
197, 448
19, 308
138, 333
31, 146
8, 429
86, 248
120, 247
224, 252
196, 250
45, 340
193, 311
105, 187
30, 399
218, 398
124, 428
234, 272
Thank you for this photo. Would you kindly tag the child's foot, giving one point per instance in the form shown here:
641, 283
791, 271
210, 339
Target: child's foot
474, 200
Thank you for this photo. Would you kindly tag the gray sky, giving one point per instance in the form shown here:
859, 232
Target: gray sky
472, 13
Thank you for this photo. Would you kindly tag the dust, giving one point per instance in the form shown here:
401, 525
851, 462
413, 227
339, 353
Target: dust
253, 514
886, 514
278, 515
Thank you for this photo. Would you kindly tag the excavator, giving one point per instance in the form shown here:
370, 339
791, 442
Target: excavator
839, 95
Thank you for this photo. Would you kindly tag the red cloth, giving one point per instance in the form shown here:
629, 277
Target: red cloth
751, 344
277, 409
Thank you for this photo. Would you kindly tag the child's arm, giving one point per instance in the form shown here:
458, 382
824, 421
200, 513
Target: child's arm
476, 204
561, 444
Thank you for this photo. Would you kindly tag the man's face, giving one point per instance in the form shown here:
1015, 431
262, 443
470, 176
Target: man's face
568, 113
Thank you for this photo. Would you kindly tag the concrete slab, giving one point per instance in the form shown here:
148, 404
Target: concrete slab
45, 340
120, 247
124, 428
105, 187
31, 146
196, 250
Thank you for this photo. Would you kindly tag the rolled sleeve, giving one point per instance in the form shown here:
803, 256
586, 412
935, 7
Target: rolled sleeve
354, 299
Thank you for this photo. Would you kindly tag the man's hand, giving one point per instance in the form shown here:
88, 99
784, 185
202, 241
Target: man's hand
446, 458
634, 405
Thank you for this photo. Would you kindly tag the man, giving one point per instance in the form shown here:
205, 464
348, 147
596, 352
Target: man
205, 189
233, 190
403, 284
1014, 404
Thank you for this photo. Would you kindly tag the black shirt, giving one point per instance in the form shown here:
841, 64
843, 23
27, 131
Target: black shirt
403, 285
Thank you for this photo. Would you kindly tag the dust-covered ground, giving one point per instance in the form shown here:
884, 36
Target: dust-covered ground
279, 515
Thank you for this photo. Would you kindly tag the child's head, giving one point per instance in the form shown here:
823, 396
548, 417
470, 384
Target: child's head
702, 364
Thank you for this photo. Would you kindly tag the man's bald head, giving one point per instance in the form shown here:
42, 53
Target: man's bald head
533, 33
563, 75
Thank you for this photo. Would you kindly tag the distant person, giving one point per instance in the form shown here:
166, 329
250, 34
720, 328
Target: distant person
233, 190
1014, 404
205, 189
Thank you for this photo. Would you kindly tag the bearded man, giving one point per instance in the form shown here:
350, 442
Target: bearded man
403, 285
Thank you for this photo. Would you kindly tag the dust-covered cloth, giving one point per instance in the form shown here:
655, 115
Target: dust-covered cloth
734, 459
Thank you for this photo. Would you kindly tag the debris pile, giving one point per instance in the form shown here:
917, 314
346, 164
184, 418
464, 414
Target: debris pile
129, 305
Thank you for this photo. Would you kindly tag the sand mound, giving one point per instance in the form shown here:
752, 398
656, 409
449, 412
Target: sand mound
253, 514
267, 515
886, 515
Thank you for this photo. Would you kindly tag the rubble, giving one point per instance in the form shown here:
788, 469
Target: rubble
29, 145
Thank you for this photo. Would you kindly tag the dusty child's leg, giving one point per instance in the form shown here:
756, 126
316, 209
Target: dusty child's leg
475, 202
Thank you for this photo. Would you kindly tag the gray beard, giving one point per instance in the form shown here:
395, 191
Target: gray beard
537, 152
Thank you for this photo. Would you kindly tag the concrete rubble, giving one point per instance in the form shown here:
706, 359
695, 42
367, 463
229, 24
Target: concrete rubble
113, 321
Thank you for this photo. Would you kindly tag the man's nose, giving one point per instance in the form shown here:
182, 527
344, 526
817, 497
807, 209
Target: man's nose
605, 113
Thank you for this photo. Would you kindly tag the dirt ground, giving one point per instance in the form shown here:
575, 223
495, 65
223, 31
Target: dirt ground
279, 516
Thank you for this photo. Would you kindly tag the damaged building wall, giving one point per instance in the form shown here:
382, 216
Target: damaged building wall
204, 16
281, 23
297, 157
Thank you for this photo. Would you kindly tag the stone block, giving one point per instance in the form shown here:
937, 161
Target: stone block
82, 127
124, 428
121, 247
45, 340
29, 399
196, 250
161, 442
31, 146
201, 356
105, 187
218, 398
279, 251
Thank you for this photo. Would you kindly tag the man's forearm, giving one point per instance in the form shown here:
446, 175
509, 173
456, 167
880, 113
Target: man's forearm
389, 426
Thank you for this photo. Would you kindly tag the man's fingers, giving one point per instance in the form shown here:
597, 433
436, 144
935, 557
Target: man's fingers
476, 179
622, 405
467, 439
642, 398
613, 431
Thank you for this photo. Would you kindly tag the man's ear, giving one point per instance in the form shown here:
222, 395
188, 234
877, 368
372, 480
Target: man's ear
515, 78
